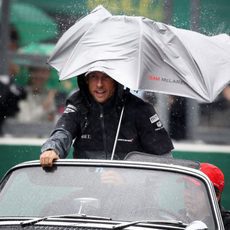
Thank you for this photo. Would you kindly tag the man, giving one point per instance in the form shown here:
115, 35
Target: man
91, 119
217, 178
10, 93
39, 105
194, 193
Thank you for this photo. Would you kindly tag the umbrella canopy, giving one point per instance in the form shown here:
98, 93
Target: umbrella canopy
34, 54
32, 23
42, 49
73, 35
143, 54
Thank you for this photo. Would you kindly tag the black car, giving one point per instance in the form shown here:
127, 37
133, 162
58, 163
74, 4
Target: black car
140, 192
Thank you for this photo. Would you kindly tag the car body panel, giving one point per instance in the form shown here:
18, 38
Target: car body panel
84, 192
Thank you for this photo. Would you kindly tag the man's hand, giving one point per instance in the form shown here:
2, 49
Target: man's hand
47, 158
112, 177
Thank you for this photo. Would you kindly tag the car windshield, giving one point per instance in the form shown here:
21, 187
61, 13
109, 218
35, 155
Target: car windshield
124, 194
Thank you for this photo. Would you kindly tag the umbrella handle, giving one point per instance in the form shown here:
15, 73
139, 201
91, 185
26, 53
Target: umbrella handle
118, 130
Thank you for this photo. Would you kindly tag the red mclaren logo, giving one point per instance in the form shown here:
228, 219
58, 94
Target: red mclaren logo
154, 78
166, 80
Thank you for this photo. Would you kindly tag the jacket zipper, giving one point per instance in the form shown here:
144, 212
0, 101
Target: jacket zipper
103, 132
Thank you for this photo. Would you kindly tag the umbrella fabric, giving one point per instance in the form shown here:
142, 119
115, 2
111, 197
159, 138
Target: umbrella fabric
32, 23
73, 35
146, 55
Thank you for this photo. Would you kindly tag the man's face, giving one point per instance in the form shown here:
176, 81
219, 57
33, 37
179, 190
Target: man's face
38, 78
101, 86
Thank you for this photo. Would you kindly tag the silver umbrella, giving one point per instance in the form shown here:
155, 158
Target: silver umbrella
143, 54
73, 35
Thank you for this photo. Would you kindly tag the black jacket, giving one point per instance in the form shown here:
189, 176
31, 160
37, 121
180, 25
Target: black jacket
93, 127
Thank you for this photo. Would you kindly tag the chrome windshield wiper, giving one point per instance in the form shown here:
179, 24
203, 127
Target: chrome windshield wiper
77, 216
166, 222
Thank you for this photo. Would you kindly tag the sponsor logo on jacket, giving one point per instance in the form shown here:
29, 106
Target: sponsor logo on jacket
70, 109
125, 140
154, 118
86, 136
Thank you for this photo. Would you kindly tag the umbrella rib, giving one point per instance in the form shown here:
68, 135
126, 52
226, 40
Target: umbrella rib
204, 96
198, 71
